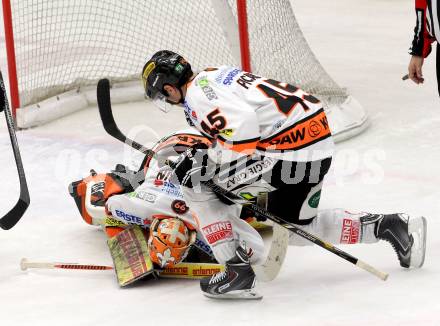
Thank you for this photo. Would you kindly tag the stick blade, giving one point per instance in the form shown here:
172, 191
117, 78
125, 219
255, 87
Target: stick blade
279, 243
105, 109
14, 215
108, 121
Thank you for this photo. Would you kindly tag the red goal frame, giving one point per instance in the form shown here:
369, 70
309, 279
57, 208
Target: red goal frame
12, 67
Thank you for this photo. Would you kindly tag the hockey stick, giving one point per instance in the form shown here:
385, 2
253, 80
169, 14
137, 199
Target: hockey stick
105, 105
293, 228
278, 248
108, 121
185, 270
15, 214
194, 271
25, 264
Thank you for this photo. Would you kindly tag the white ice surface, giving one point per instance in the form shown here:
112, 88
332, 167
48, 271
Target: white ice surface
392, 167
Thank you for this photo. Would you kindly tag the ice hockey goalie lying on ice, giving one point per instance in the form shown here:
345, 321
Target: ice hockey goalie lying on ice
148, 198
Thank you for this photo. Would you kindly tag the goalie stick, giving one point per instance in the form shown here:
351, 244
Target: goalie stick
15, 214
104, 103
184, 270
25, 264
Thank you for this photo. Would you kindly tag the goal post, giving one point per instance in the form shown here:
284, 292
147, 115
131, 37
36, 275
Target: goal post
244, 35
61, 48
10, 53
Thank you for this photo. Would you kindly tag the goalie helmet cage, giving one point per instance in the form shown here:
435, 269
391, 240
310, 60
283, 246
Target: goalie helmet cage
59, 49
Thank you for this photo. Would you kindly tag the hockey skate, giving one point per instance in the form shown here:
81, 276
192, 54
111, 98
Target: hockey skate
407, 237
237, 281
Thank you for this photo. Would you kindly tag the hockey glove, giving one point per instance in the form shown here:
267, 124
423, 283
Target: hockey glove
194, 166
102, 186
127, 179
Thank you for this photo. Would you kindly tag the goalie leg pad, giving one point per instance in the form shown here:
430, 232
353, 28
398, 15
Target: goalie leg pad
129, 251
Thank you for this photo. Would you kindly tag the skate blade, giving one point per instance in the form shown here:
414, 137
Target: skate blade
236, 295
417, 228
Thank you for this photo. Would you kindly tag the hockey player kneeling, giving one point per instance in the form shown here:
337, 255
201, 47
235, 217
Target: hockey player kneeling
261, 131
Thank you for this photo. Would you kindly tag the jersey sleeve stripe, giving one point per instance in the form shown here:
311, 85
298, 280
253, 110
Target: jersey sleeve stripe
283, 131
300, 135
247, 146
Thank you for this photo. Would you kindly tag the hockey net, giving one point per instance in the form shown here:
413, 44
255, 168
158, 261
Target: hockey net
65, 47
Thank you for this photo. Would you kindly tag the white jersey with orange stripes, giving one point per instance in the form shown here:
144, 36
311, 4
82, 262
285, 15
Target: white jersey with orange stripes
248, 114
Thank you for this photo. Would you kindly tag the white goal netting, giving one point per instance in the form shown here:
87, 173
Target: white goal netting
68, 45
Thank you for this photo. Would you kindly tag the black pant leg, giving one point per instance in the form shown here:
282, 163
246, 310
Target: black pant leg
287, 201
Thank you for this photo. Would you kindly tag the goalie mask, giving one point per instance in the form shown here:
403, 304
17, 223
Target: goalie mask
169, 241
165, 67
